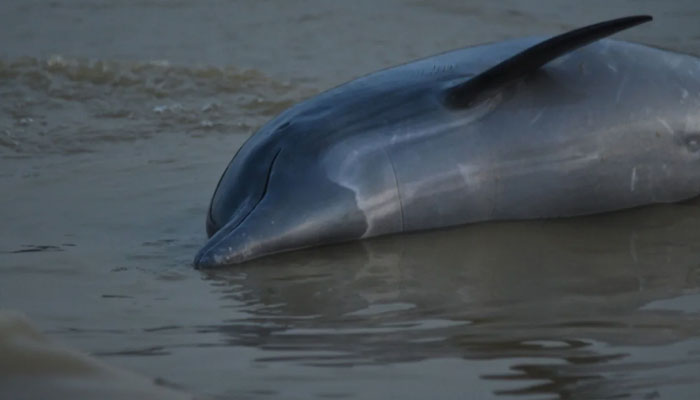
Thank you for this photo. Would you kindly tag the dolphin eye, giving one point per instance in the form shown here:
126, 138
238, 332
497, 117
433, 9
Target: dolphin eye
692, 142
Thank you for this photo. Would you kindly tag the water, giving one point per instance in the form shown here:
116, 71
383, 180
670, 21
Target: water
116, 121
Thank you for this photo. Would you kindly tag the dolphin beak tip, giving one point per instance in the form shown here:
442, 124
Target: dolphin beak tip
205, 259
200, 261
232, 244
215, 257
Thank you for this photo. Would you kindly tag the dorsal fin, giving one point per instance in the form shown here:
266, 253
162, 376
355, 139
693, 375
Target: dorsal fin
529, 60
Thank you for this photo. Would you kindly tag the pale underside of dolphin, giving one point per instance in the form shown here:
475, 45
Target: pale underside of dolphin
521, 129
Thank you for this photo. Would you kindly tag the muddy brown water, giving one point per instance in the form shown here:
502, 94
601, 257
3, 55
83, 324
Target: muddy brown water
117, 118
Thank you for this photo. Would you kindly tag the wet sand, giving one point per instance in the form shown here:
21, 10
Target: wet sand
118, 119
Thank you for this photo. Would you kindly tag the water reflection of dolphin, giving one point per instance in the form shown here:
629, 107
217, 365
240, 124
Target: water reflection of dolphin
561, 289
453, 139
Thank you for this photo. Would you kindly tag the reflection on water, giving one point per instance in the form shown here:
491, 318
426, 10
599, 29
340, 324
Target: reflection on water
572, 293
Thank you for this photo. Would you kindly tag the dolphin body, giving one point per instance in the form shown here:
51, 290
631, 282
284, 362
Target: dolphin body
520, 129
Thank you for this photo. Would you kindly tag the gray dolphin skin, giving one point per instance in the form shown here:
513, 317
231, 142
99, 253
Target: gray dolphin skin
520, 129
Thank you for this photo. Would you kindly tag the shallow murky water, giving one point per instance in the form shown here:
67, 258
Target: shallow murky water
117, 118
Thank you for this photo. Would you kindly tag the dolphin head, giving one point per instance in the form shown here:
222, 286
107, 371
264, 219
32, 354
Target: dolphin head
293, 191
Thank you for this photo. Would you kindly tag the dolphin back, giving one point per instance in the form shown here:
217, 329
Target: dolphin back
477, 134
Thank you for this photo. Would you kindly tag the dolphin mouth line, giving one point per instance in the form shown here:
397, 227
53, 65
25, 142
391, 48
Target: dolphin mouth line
211, 246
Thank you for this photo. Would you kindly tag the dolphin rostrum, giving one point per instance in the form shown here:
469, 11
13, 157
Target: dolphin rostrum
520, 129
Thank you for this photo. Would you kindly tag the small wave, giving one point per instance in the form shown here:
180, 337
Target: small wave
68, 105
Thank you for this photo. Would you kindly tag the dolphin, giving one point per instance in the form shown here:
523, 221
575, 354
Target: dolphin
522, 129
